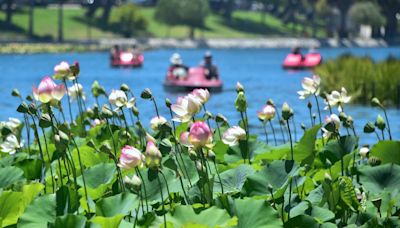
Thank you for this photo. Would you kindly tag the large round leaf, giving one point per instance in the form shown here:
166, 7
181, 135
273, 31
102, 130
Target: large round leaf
277, 174
97, 175
13, 204
387, 151
10, 175
39, 213
119, 204
254, 213
233, 179
76, 221
380, 178
184, 216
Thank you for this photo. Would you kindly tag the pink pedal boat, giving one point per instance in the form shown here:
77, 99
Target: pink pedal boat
296, 62
195, 79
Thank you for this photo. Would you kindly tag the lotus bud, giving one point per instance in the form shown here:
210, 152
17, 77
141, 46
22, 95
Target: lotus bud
153, 155
168, 103
101, 91
350, 120
220, 118
134, 181
327, 178
211, 155
286, 111
328, 163
23, 108
309, 105
369, 128
380, 123
240, 102
45, 121
342, 116
91, 144
376, 103
208, 115
239, 87
377, 203
374, 161
192, 154
270, 102
135, 111
106, 112
15, 93
124, 87
146, 94
130, 158
199, 166
32, 108
106, 148
29, 98
364, 151
303, 126
314, 116
75, 69
95, 88
270, 188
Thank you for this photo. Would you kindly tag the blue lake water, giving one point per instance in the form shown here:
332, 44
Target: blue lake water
259, 70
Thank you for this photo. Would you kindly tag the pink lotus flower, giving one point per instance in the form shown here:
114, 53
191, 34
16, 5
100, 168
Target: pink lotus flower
199, 134
202, 94
62, 71
267, 113
130, 158
184, 139
153, 155
48, 90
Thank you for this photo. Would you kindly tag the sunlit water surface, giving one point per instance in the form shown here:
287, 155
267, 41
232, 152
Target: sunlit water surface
259, 70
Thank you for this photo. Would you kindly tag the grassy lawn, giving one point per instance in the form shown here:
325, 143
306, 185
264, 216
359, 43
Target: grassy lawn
242, 25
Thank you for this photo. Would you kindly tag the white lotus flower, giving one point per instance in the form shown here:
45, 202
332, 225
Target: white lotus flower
311, 86
11, 144
156, 122
118, 98
76, 90
337, 99
232, 136
185, 108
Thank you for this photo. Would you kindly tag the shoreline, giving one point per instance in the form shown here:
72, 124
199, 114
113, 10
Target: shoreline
27, 47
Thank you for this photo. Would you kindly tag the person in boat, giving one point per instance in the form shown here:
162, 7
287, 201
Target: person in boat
211, 71
177, 69
135, 50
114, 53
297, 51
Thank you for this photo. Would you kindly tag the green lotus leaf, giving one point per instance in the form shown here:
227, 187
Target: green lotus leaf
76, 221
39, 213
254, 213
10, 175
387, 151
380, 178
118, 204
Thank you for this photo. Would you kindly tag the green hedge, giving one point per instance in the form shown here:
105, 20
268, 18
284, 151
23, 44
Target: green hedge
364, 77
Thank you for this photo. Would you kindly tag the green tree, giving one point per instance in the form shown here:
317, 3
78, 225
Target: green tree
390, 8
191, 13
366, 13
9, 11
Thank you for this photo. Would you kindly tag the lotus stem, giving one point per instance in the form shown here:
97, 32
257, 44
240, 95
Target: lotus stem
320, 118
144, 188
387, 121
162, 202
265, 132
273, 132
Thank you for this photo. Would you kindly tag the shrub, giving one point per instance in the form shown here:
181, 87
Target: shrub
364, 77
